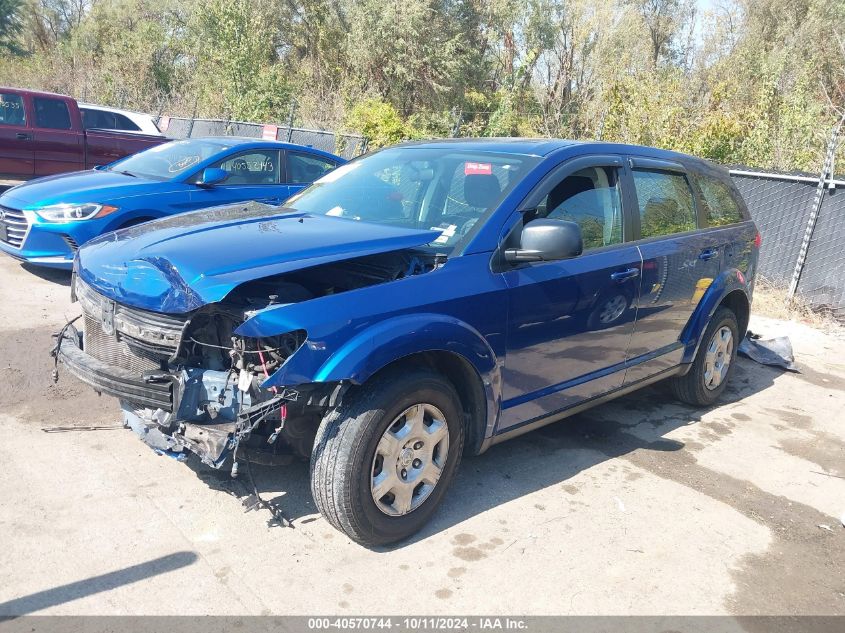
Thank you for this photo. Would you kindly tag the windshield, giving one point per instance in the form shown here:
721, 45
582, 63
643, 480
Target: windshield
448, 190
169, 160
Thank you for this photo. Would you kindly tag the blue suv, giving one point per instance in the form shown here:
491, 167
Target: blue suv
419, 303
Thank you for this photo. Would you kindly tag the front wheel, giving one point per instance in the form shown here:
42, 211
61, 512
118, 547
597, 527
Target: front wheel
383, 460
713, 364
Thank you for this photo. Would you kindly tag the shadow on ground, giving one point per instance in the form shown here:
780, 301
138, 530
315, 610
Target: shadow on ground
55, 275
96, 584
545, 457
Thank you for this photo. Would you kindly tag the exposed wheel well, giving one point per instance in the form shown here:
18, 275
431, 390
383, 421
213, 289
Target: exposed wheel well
737, 301
467, 383
135, 221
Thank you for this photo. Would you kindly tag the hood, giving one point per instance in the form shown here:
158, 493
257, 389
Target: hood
79, 186
183, 262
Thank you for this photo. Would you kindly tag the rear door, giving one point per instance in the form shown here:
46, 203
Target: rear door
58, 140
679, 263
570, 322
16, 156
302, 169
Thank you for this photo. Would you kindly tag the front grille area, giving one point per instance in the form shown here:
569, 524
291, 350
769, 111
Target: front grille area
140, 341
16, 226
116, 351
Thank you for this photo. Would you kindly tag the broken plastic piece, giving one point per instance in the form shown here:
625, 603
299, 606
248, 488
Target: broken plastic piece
775, 352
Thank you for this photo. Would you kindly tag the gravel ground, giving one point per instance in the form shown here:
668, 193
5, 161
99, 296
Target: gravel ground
642, 506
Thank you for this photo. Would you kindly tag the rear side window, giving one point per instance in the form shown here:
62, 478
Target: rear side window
51, 114
719, 204
124, 123
102, 120
305, 169
665, 201
11, 110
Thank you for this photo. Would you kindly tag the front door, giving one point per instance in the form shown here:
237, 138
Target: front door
254, 174
16, 158
679, 263
570, 322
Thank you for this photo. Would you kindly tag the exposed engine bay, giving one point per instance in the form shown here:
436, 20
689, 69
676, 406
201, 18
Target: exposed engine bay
189, 382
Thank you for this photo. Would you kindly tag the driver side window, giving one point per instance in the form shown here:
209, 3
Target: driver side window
253, 167
591, 198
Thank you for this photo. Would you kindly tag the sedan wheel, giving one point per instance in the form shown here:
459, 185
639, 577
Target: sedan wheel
717, 361
409, 459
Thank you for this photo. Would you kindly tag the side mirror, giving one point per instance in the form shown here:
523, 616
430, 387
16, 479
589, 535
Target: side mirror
547, 240
212, 176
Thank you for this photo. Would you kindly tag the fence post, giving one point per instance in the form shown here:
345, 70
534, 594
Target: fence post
193, 118
290, 119
827, 172
458, 118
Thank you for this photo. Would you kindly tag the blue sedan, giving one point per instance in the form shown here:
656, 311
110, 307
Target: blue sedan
45, 221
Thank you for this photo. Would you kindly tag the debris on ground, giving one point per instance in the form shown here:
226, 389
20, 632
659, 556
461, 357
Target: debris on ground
775, 352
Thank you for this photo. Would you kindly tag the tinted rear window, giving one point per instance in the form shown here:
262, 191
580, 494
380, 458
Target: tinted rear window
665, 201
51, 113
720, 205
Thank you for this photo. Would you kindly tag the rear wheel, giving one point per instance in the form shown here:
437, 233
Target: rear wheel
383, 460
713, 364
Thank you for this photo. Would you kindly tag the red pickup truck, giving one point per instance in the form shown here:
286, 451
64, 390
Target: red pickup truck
43, 133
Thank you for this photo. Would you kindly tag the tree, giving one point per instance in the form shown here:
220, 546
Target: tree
10, 24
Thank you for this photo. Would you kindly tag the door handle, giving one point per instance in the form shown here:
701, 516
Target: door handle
623, 275
709, 253
21, 136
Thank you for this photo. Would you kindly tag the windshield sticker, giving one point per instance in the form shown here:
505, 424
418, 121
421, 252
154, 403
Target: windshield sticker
477, 169
183, 163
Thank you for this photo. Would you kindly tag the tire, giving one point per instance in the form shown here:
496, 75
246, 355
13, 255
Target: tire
697, 386
350, 448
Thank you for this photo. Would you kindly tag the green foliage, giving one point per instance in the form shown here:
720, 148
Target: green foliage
10, 24
379, 122
232, 41
739, 81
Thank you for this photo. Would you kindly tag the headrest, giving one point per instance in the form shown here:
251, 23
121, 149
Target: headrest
481, 190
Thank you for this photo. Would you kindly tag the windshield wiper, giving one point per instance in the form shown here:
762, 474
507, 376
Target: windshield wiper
126, 173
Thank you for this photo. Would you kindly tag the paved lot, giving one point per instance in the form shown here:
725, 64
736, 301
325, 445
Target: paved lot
640, 506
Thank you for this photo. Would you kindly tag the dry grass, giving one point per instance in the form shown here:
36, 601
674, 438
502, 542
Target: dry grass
771, 300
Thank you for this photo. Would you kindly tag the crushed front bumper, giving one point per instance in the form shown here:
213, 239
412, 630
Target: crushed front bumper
154, 391
191, 409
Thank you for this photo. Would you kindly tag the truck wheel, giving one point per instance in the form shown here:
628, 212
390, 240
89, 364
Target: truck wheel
383, 459
713, 364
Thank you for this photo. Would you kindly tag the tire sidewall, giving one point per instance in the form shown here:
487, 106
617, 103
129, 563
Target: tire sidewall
429, 389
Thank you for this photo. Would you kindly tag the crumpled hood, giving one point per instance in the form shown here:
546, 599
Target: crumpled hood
79, 186
178, 264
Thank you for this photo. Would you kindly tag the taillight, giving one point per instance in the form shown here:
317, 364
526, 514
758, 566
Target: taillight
758, 240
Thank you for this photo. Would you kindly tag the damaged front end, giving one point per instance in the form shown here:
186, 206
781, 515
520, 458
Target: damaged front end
189, 382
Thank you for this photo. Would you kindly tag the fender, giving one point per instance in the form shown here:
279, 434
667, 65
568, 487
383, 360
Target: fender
131, 216
384, 342
727, 281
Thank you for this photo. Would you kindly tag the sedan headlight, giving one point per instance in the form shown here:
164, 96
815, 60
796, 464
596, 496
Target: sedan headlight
73, 212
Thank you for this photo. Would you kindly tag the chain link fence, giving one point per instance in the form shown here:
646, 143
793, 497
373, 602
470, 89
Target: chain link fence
781, 205
345, 145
